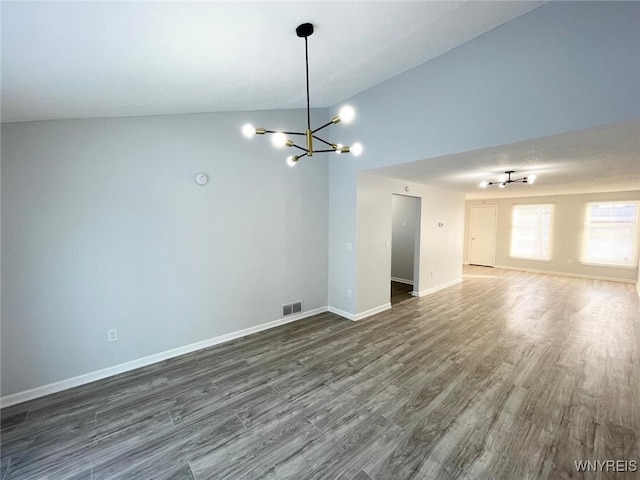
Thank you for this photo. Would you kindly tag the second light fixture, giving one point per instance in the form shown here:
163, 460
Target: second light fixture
507, 180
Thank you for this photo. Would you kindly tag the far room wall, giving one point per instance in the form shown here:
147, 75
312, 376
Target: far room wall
566, 235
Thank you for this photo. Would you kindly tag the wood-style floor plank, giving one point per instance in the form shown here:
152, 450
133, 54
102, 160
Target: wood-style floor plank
507, 375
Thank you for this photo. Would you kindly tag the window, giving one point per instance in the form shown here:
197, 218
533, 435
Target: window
611, 234
531, 231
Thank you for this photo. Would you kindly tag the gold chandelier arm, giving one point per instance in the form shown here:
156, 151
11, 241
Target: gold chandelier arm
309, 143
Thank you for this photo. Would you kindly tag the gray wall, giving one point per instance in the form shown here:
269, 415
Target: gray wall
566, 236
403, 236
104, 227
440, 247
562, 67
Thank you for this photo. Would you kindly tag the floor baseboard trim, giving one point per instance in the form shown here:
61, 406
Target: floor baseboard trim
566, 274
361, 315
61, 385
429, 291
402, 280
372, 311
342, 313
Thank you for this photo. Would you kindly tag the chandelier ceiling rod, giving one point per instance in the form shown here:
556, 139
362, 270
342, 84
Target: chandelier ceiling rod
280, 139
306, 62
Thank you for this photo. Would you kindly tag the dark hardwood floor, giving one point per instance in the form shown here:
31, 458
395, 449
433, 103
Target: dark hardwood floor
505, 376
400, 292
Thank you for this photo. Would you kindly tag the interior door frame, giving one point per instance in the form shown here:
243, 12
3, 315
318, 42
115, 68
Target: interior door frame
417, 250
495, 231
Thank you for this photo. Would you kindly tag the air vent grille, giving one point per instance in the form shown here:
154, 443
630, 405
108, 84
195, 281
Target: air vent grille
292, 309
297, 307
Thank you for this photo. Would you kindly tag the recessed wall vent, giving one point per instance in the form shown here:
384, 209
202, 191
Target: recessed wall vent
297, 307
292, 309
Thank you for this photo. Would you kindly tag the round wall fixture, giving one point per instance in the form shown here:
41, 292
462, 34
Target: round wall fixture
201, 178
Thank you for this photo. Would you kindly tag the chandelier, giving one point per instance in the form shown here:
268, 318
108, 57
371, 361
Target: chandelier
506, 181
280, 139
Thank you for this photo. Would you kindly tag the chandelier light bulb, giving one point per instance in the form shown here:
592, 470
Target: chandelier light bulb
338, 147
292, 160
483, 184
347, 114
531, 178
279, 139
356, 149
502, 185
248, 130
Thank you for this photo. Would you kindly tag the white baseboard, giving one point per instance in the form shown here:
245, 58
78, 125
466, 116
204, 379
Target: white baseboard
373, 311
56, 387
565, 274
436, 288
342, 313
361, 315
402, 280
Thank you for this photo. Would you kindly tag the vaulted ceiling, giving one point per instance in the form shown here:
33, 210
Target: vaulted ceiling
110, 59
63, 60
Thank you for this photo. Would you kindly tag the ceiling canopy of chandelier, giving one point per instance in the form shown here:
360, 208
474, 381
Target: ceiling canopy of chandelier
280, 139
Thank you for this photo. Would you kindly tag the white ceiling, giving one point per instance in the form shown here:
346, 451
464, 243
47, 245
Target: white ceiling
107, 59
91, 59
601, 159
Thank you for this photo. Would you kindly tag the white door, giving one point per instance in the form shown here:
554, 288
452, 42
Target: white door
482, 232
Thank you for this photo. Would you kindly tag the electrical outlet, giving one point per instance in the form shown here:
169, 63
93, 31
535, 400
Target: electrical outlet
432, 273
112, 335
349, 293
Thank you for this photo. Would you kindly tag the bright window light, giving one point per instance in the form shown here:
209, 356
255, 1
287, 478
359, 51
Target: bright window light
531, 231
611, 234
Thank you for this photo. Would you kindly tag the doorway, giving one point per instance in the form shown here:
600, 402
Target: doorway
482, 235
405, 246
